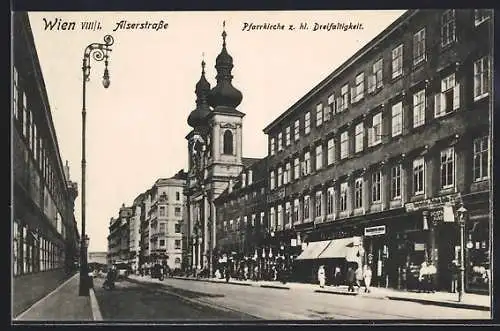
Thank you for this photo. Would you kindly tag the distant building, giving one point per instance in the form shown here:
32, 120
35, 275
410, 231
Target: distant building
119, 235
98, 257
45, 246
135, 233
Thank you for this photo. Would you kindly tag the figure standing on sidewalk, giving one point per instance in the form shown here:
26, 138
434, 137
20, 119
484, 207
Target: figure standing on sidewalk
321, 276
351, 279
359, 276
367, 276
454, 269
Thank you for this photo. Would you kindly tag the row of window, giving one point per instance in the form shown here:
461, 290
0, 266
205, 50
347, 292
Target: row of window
245, 197
445, 102
177, 243
374, 183
164, 211
375, 82
33, 253
36, 144
162, 227
233, 225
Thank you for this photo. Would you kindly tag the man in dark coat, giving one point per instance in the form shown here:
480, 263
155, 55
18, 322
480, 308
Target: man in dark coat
351, 279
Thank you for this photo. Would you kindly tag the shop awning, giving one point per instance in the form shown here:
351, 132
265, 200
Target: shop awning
313, 250
345, 248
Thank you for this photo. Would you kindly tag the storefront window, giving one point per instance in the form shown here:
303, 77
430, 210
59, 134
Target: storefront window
478, 262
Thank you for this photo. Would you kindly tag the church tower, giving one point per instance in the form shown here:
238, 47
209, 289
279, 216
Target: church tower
215, 149
225, 119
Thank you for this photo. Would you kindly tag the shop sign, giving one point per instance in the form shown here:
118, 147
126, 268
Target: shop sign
276, 195
433, 203
375, 230
419, 247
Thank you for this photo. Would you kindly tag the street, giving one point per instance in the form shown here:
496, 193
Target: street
176, 299
134, 301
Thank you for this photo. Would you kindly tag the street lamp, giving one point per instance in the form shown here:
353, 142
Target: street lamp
99, 52
461, 219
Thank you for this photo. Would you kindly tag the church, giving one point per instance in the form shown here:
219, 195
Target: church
216, 164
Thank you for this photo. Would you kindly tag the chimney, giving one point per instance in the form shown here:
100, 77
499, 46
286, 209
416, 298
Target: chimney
243, 179
250, 177
230, 187
66, 171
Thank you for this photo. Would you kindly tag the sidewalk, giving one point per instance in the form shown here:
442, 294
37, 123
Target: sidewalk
469, 300
62, 304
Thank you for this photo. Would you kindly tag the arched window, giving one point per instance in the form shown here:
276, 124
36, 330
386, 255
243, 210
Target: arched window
228, 142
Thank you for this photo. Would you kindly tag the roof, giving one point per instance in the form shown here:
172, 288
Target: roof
344, 66
249, 161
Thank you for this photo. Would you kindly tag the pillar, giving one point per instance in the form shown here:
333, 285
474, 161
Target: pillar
405, 180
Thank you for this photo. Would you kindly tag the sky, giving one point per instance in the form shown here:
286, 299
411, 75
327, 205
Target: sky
136, 128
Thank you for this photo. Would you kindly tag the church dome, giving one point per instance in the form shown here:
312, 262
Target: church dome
224, 93
198, 116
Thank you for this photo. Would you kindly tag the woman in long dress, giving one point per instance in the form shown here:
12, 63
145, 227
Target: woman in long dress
321, 276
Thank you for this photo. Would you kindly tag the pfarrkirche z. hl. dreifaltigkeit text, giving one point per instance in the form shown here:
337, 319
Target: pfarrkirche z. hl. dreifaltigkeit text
146, 25
338, 26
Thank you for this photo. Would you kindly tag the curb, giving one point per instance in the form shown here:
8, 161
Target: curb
275, 286
441, 303
337, 292
96, 311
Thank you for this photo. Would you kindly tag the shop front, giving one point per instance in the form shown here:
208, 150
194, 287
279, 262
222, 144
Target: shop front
438, 241
478, 243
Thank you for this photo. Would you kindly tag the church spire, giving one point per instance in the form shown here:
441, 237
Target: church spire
224, 93
199, 114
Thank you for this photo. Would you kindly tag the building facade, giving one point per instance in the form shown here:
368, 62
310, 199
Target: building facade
134, 233
45, 237
240, 210
166, 220
379, 156
119, 236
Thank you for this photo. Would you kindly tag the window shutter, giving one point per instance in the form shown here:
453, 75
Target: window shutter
371, 83
353, 94
437, 104
370, 136
444, 106
456, 96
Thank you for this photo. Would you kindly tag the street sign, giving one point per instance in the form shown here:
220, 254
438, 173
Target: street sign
375, 230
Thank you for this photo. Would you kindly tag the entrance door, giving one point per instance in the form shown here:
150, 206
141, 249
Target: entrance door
447, 237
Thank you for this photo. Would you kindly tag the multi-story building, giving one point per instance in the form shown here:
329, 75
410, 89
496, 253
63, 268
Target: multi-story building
119, 235
372, 165
240, 212
166, 217
45, 237
134, 232
144, 251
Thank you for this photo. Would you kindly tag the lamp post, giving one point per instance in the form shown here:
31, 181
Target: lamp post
99, 52
461, 219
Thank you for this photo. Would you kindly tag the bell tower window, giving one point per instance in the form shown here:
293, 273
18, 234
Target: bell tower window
228, 142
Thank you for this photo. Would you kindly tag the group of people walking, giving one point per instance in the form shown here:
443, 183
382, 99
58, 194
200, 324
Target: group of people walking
360, 276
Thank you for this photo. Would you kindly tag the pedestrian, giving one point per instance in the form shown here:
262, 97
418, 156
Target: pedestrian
367, 276
337, 276
454, 270
321, 276
422, 278
351, 279
245, 272
359, 276
431, 274
256, 273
